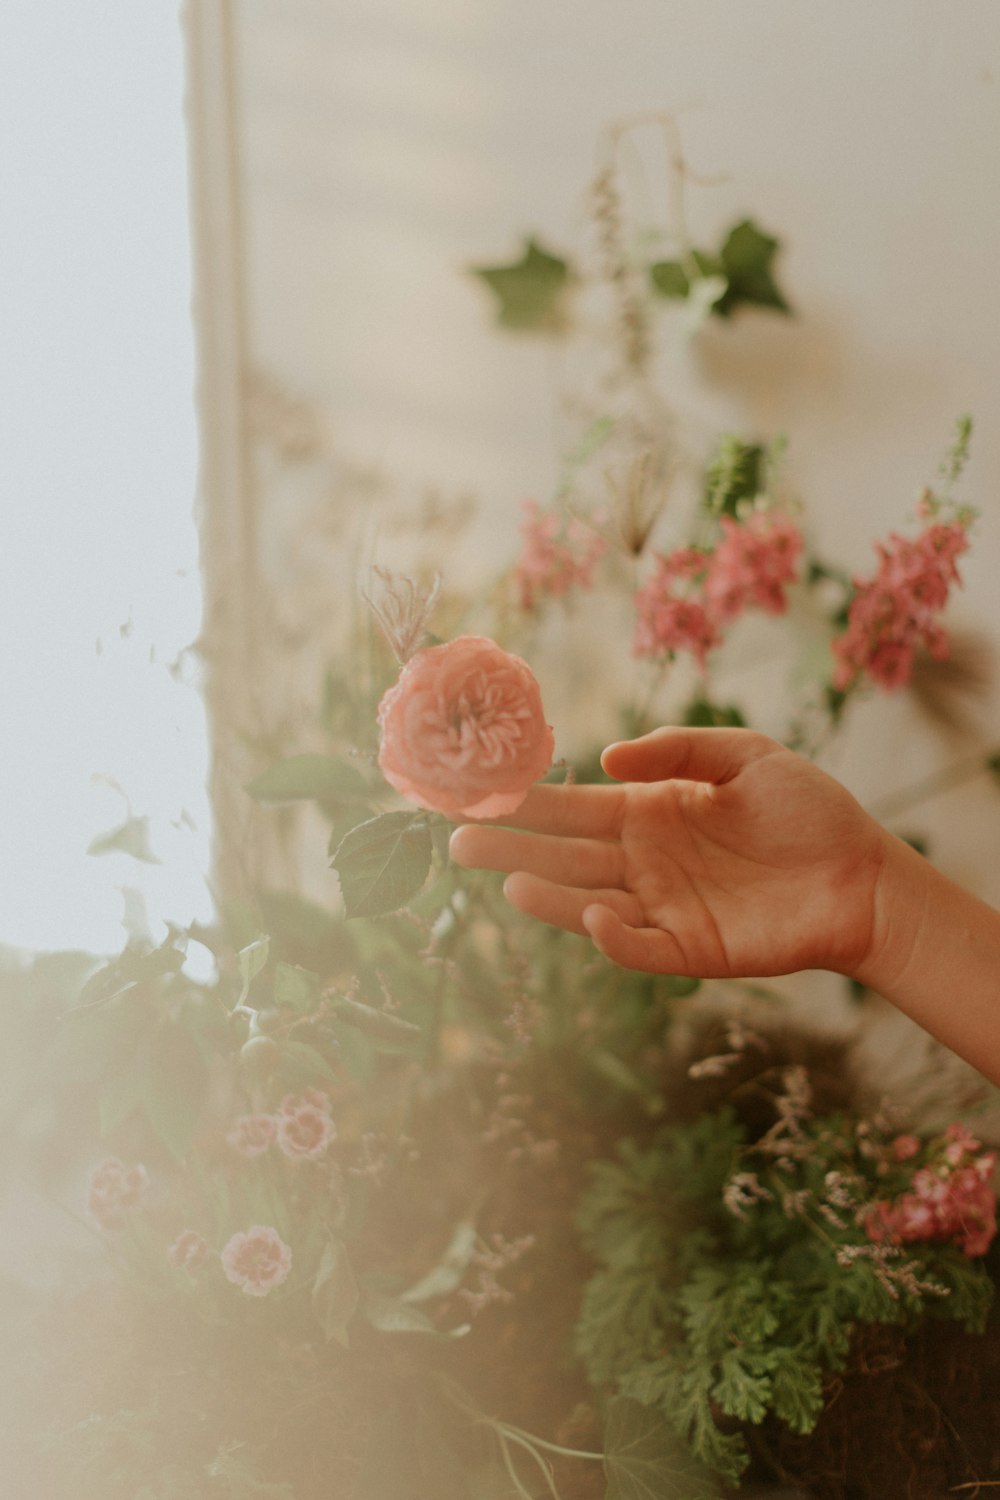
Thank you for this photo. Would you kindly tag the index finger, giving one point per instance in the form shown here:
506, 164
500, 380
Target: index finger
594, 812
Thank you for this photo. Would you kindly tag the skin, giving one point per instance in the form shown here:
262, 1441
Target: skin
722, 854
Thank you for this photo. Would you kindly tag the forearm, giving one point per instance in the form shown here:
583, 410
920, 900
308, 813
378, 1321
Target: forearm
935, 953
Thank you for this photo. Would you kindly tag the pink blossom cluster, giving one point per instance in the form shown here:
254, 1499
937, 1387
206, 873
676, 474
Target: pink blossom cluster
555, 556
302, 1128
693, 594
950, 1198
189, 1252
257, 1260
115, 1191
896, 612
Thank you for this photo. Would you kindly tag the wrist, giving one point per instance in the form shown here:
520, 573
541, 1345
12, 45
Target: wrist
900, 898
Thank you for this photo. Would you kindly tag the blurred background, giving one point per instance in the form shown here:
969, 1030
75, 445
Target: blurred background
253, 222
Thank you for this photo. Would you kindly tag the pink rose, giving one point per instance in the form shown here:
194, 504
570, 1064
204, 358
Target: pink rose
256, 1261
188, 1252
252, 1134
464, 731
115, 1191
304, 1128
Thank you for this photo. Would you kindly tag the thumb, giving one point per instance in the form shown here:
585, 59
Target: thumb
715, 755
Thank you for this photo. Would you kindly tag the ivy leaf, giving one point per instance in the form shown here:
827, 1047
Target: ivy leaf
130, 837
335, 1294
529, 291
672, 279
382, 863
310, 778
746, 258
644, 1459
743, 264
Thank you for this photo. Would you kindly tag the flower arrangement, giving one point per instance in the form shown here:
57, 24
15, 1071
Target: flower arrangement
416, 1198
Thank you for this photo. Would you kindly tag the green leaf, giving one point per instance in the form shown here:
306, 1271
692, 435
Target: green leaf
128, 974
736, 472
644, 1459
251, 960
382, 863
746, 258
700, 713
529, 291
335, 1293
389, 1033
310, 778
300, 1063
295, 988
447, 1274
393, 1315
130, 837
670, 279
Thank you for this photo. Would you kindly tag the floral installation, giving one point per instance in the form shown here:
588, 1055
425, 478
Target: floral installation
414, 1198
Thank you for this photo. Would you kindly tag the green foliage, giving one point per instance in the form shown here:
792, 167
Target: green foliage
529, 291
743, 262
718, 1318
383, 862
736, 472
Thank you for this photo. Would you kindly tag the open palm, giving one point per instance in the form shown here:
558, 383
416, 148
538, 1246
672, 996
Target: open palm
722, 854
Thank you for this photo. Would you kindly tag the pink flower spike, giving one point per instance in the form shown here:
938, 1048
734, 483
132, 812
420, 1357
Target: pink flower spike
115, 1191
257, 1261
463, 731
252, 1134
304, 1131
189, 1252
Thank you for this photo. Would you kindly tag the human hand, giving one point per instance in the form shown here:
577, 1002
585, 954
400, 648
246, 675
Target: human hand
722, 855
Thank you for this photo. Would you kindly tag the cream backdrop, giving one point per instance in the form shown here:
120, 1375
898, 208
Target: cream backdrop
380, 147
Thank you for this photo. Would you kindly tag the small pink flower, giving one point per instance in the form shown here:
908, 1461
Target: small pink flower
894, 613
115, 1191
693, 594
252, 1134
189, 1251
905, 1146
256, 1261
463, 731
304, 1129
556, 556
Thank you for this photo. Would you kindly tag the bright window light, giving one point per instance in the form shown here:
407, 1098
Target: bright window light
99, 583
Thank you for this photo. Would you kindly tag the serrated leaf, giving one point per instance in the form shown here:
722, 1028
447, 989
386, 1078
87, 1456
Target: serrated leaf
382, 863
529, 291
335, 1293
130, 837
644, 1459
310, 778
